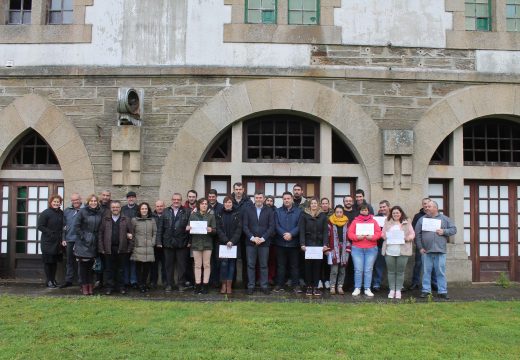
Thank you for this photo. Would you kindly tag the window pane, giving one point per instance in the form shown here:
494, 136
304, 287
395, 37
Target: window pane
54, 17
295, 17
483, 250
26, 18
269, 189
55, 5
493, 250
254, 16
31, 248
504, 250
310, 5
3, 248
436, 189
310, 18
483, 236
67, 4
269, 4
254, 4
295, 4
15, 17
67, 17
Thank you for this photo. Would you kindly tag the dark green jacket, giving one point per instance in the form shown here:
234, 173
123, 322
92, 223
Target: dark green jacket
201, 242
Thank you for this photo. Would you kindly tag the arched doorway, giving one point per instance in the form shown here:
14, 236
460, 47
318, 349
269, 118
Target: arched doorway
29, 175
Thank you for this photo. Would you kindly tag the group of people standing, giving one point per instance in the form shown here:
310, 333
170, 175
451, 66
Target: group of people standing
301, 245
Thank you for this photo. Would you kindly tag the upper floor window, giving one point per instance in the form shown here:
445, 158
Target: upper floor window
492, 141
281, 138
221, 149
304, 12
441, 154
19, 12
513, 15
60, 12
261, 11
478, 15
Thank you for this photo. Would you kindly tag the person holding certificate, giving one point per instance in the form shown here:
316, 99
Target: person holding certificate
397, 248
202, 227
364, 232
313, 241
229, 231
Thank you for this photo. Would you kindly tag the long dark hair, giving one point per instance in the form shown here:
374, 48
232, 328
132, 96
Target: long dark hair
403, 215
139, 210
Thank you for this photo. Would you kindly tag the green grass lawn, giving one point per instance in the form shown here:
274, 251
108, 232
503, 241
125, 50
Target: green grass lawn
108, 328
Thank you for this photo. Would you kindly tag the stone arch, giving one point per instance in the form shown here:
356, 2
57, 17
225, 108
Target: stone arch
454, 111
253, 97
34, 112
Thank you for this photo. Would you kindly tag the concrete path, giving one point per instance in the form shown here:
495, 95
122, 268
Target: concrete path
473, 292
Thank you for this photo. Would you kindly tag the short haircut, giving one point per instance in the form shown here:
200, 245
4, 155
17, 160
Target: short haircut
239, 184
227, 198
177, 194
200, 201
435, 203
324, 198
106, 191
213, 192
287, 193
115, 202
364, 207
385, 202
346, 196
427, 198
259, 192
360, 191
54, 196
297, 185
193, 192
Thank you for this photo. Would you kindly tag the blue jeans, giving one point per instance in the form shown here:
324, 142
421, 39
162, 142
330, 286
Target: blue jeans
417, 268
262, 253
434, 262
364, 260
379, 269
130, 273
227, 269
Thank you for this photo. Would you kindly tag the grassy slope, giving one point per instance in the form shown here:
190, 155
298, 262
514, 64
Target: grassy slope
111, 328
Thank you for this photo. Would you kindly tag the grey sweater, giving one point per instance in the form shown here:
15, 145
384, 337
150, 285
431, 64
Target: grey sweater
429, 240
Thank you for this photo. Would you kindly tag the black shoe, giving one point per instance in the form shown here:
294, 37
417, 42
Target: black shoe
309, 291
142, 289
376, 289
65, 285
266, 291
443, 296
134, 286
168, 289
435, 288
108, 292
297, 290
197, 289
51, 285
415, 287
205, 289
278, 288
425, 294
250, 291
55, 283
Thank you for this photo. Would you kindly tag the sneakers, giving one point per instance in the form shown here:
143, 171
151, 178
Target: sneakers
309, 291
320, 285
333, 290
340, 290
327, 284
369, 293
391, 294
316, 292
297, 289
278, 288
356, 292
397, 294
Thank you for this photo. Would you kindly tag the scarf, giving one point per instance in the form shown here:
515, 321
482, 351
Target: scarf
364, 218
334, 220
340, 248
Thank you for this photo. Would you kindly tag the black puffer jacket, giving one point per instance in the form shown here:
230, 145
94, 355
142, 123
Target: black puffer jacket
87, 227
50, 223
314, 230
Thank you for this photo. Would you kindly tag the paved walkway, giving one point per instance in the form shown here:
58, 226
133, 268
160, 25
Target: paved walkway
473, 292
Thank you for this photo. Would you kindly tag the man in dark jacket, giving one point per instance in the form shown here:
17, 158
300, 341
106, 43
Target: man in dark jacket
287, 242
240, 203
360, 200
174, 240
115, 243
130, 211
215, 208
258, 224
417, 268
158, 250
380, 264
70, 237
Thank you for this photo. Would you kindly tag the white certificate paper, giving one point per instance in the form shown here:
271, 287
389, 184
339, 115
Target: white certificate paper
380, 220
395, 237
314, 252
227, 253
364, 229
430, 224
198, 227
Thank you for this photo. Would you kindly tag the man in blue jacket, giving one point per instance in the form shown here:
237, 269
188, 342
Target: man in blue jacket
287, 219
432, 245
258, 226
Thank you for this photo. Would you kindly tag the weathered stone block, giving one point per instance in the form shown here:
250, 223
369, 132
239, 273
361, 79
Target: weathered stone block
406, 165
126, 138
398, 142
388, 181
406, 181
388, 165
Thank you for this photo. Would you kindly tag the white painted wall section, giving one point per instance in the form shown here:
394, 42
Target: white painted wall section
410, 23
503, 62
105, 49
205, 33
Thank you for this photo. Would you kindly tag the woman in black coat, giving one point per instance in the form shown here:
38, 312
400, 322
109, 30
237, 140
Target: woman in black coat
313, 232
50, 223
229, 231
86, 226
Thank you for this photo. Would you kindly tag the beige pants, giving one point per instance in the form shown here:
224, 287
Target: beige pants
202, 259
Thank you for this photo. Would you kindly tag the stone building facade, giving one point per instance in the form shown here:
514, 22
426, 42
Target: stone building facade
401, 100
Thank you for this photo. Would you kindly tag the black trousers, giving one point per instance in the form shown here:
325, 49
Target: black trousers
312, 272
85, 272
159, 262
143, 270
290, 256
50, 271
175, 260
114, 269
